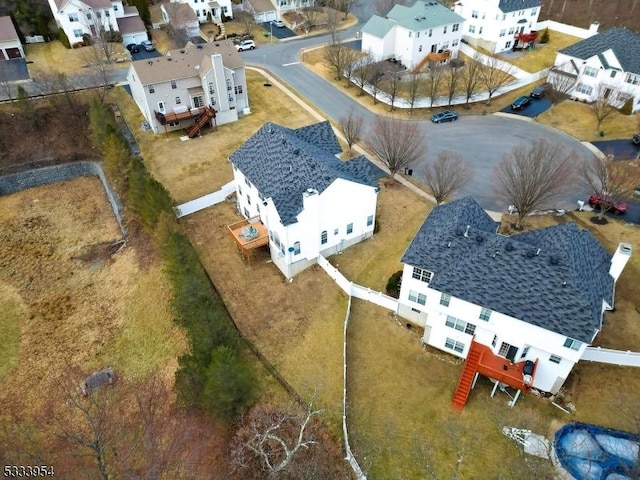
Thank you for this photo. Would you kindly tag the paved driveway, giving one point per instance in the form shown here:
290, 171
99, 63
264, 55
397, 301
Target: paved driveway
621, 149
13, 70
281, 32
535, 108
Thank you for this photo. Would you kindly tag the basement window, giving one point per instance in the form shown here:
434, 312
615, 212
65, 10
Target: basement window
454, 345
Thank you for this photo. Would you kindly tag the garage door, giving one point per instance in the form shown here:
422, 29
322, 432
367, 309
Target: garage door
134, 38
265, 16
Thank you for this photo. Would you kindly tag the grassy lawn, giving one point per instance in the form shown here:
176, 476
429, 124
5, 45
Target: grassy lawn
577, 119
543, 55
12, 311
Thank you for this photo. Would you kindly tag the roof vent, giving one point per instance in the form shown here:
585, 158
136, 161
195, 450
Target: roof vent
531, 254
554, 260
150, 62
479, 238
199, 47
564, 284
537, 252
449, 245
296, 151
466, 232
508, 247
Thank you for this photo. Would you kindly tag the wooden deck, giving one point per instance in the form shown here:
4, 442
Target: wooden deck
171, 117
502, 370
249, 235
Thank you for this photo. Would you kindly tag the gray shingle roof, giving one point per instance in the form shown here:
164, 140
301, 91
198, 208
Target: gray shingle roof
283, 163
423, 15
554, 278
624, 43
514, 5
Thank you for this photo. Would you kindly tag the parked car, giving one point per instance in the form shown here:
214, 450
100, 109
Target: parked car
277, 23
446, 116
620, 207
636, 139
245, 45
540, 91
148, 46
520, 102
133, 48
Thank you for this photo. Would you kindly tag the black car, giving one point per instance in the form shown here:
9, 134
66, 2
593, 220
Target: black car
133, 48
520, 102
636, 139
540, 91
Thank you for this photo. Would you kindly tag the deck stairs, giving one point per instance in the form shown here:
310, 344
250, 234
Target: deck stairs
466, 378
204, 117
432, 57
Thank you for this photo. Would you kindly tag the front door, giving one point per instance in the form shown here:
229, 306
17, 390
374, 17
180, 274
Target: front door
508, 351
161, 107
607, 92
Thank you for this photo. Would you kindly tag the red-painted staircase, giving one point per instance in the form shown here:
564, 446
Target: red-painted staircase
204, 117
466, 378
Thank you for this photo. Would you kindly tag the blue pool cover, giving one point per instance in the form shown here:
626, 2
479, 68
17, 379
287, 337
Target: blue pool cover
589, 452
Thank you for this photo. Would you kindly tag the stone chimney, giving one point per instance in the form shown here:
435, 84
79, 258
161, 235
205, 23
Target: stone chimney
619, 260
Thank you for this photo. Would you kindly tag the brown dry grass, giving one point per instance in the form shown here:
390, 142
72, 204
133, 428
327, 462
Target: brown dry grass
80, 306
577, 119
543, 55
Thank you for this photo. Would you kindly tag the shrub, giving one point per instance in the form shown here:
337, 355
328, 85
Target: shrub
627, 108
64, 40
393, 284
544, 38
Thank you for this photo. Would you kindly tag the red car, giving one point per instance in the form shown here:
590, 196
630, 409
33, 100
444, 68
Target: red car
616, 207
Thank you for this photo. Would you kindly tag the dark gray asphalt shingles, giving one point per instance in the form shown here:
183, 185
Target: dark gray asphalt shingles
514, 5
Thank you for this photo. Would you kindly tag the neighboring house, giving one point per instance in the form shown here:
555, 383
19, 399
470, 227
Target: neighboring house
203, 8
262, 10
606, 65
499, 25
132, 27
90, 17
176, 90
181, 17
537, 296
426, 31
10, 45
284, 6
310, 202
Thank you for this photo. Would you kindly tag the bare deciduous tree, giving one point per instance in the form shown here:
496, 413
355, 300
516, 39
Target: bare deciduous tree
470, 78
350, 58
246, 19
343, 6
601, 106
311, 14
433, 83
453, 79
333, 20
562, 82
447, 175
336, 56
393, 82
396, 143
529, 177
415, 85
375, 78
362, 71
494, 74
351, 127
612, 180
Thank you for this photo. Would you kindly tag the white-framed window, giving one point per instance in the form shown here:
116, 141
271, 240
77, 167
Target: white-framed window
229, 84
410, 34
420, 48
174, 85
239, 190
369, 220
504, 349
533, 12
246, 213
472, 29
323, 237
77, 33
456, 27
633, 79
485, 314
417, 297
197, 13
504, 17
444, 29
591, 71
445, 45
212, 90
445, 299
503, 32
613, 74
238, 89
349, 228
335, 231
198, 101
480, 31
582, 88
178, 101
555, 359
508, 44
296, 248
474, 14
417, 34
460, 325
115, 7
248, 200
454, 345
525, 350
430, 31
107, 14
512, 30
73, 17
572, 344
246, 180
455, 43
422, 274
494, 342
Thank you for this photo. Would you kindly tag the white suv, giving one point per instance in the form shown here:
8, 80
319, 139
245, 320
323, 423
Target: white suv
245, 45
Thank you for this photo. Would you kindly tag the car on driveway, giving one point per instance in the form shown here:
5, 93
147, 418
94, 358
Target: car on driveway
133, 48
520, 102
540, 91
596, 200
277, 23
636, 139
148, 46
446, 116
245, 45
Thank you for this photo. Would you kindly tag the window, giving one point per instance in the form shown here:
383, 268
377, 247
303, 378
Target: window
420, 298
582, 88
197, 101
410, 34
494, 341
525, 350
503, 32
591, 71
107, 14
444, 30
174, 124
239, 190
197, 13
455, 27
454, 345
472, 29
504, 349
613, 74
480, 31
238, 89
474, 14
349, 228
533, 12
512, 30
445, 299
421, 274
430, 31
323, 237
174, 85
296, 248
73, 17
335, 232
485, 314
417, 34
460, 325
77, 33
115, 7
572, 344
420, 48
504, 17
211, 89
229, 85
455, 43
246, 180
415, 310
555, 359
508, 44
633, 79
248, 199
246, 213
152, 89
178, 101
445, 45
230, 96
369, 220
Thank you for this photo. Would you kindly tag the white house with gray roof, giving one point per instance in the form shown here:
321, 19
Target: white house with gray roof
174, 91
310, 201
604, 65
498, 25
412, 34
538, 295
203, 8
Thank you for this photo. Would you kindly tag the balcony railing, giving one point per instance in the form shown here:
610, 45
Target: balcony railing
172, 117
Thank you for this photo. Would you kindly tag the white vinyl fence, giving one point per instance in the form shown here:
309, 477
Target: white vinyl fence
568, 29
205, 201
614, 357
